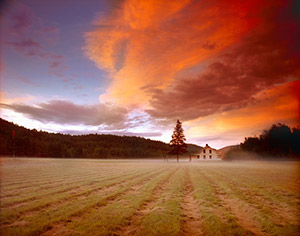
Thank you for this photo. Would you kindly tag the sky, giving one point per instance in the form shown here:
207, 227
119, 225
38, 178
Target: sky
227, 69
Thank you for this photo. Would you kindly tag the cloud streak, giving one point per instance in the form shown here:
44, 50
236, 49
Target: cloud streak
24, 33
65, 112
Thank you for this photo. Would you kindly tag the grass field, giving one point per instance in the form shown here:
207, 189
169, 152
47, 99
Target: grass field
127, 197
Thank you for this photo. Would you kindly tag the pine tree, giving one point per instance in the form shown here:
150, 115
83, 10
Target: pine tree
177, 143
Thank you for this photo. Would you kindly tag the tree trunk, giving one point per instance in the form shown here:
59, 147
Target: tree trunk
177, 158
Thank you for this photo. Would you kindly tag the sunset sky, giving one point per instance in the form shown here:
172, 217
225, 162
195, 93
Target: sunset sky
226, 69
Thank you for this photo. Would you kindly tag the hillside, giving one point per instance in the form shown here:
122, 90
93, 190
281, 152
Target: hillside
33, 143
226, 149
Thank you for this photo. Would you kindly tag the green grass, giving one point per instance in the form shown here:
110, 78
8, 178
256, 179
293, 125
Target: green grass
277, 211
45, 217
122, 197
165, 217
217, 219
116, 214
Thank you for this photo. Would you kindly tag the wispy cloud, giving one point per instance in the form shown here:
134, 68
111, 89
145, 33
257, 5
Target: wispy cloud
25, 33
65, 112
28, 81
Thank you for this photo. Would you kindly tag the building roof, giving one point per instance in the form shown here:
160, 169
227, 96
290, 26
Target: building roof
206, 147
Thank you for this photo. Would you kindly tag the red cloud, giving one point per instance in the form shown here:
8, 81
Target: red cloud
231, 80
148, 43
296, 93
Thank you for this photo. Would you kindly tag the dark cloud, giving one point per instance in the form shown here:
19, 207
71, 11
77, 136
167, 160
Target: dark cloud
259, 61
64, 112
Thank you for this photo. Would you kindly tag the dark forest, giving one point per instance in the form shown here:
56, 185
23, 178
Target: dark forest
33, 143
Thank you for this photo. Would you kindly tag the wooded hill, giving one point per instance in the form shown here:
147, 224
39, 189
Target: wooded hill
33, 143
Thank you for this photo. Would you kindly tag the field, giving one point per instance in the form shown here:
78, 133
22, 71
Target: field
132, 197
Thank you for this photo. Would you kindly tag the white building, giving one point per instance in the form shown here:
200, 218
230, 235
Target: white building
208, 153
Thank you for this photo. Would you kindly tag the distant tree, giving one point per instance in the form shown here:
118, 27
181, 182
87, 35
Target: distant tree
177, 143
295, 142
278, 141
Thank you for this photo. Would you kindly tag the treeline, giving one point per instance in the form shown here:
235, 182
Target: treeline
280, 141
33, 143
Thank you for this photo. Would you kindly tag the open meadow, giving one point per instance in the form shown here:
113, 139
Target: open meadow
144, 197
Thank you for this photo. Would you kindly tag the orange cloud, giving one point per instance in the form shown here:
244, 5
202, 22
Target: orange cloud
145, 44
296, 92
275, 105
272, 106
223, 67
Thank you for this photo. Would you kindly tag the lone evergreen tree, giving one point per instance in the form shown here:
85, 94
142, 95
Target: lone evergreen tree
177, 143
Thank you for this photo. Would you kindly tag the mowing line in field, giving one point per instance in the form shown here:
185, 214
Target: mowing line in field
55, 199
57, 190
111, 196
62, 179
244, 218
39, 176
45, 184
146, 204
33, 196
41, 222
164, 214
14, 196
217, 220
276, 205
272, 220
213, 199
118, 212
279, 188
192, 219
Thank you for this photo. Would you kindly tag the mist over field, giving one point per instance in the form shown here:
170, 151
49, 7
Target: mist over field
148, 197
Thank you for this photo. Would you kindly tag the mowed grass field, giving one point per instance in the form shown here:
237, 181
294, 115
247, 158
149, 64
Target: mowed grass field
132, 197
